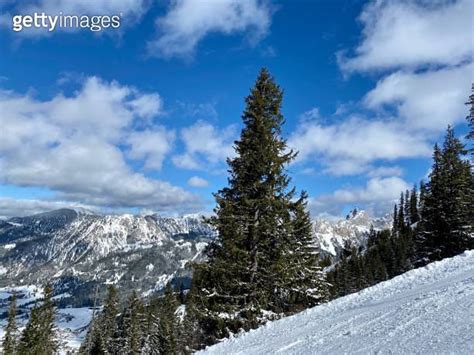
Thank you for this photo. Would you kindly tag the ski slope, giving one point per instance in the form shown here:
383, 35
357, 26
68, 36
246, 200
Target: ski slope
427, 311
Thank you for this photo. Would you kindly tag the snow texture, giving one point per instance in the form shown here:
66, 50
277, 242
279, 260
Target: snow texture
425, 311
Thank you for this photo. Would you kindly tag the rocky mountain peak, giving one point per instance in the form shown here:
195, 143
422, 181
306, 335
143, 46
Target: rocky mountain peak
332, 236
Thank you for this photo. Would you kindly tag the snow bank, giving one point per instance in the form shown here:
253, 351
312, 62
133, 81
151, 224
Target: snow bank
427, 310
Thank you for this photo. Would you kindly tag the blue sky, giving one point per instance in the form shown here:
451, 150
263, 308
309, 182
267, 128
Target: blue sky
142, 118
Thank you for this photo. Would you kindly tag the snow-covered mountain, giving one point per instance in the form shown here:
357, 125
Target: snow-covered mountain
77, 249
333, 236
424, 311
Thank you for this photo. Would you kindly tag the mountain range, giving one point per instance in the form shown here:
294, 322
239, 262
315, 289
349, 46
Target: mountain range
77, 249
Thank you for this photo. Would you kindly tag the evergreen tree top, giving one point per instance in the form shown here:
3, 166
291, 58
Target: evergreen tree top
452, 145
262, 154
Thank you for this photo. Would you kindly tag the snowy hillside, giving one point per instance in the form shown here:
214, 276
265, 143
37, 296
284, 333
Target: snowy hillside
427, 310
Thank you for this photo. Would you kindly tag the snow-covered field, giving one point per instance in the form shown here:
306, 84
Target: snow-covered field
426, 311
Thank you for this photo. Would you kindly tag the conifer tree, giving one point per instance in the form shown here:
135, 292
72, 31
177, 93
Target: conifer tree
254, 222
407, 207
108, 319
167, 330
302, 275
31, 335
414, 216
190, 329
470, 120
48, 315
401, 213
421, 199
11, 330
132, 326
39, 335
395, 221
429, 195
102, 333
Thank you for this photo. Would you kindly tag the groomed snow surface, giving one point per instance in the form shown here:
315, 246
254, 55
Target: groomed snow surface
426, 311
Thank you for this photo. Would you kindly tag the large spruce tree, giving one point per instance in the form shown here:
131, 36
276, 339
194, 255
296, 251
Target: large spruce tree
247, 269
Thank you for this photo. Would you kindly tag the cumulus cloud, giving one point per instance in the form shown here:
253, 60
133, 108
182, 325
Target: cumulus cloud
197, 181
428, 100
10, 207
205, 145
72, 145
187, 22
152, 146
350, 146
377, 196
412, 33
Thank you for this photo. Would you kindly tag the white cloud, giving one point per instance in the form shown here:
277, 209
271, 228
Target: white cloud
196, 181
377, 196
428, 100
383, 171
147, 106
71, 145
349, 147
188, 22
312, 114
413, 33
151, 145
10, 207
205, 145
